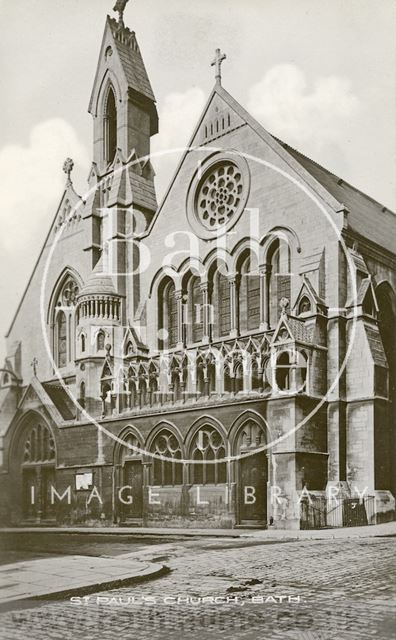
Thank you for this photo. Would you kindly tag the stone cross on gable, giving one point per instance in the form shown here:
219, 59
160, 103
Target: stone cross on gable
217, 62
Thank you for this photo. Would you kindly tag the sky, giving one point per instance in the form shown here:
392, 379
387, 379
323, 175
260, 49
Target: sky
320, 74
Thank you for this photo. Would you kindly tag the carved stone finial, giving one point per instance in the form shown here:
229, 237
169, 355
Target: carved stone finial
68, 166
218, 59
108, 348
284, 303
119, 8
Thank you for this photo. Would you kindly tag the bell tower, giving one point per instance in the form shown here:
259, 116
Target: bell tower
122, 102
124, 113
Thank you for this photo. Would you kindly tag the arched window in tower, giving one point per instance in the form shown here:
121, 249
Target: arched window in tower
61, 324
249, 295
278, 264
110, 124
167, 314
100, 341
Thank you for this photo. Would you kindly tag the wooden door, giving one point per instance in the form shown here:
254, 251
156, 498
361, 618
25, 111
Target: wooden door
253, 472
133, 478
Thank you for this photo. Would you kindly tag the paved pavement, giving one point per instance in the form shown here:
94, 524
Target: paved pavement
387, 528
330, 589
54, 577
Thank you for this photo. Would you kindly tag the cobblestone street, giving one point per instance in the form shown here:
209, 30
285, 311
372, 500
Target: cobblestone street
310, 590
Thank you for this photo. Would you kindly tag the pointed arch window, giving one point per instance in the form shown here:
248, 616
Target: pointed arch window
279, 277
100, 341
238, 378
61, 323
208, 453
166, 469
220, 299
167, 314
304, 305
249, 296
195, 310
64, 323
39, 445
110, 126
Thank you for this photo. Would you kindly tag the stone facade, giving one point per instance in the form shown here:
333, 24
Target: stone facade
225, 358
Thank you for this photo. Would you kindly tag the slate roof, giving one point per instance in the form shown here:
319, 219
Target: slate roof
61, 400
300, 330
376, 348
366, 216
131, 58
143, 191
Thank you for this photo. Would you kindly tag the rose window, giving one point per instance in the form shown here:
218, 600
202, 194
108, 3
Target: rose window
219, 195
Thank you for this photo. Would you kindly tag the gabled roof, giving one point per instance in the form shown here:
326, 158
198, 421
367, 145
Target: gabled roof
273, 143
297, 329
366, 289
307, 289
366, 217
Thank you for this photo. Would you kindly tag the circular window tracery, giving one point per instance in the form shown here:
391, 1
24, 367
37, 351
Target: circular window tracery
219, 195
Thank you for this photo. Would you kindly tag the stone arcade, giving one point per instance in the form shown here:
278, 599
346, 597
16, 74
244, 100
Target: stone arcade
258, 297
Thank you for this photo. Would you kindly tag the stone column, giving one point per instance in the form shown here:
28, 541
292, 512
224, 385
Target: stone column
179, 305
206, 313
265, 273
232, 281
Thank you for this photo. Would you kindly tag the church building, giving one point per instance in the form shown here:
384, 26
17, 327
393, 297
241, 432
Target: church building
223, 358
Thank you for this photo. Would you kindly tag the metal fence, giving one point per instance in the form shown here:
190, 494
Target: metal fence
346, 512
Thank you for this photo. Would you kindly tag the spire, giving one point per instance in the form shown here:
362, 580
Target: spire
122, 101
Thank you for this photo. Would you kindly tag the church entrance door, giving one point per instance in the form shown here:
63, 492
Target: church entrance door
253, 476
133, 479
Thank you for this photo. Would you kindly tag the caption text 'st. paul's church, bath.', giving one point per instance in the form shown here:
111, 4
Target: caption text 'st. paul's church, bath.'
239, 334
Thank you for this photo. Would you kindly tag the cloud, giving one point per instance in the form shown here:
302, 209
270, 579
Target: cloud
30, 190
178, 117
32, 181
311, 118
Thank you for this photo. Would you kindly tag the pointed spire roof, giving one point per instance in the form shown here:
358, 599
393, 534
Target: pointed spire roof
124, 43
